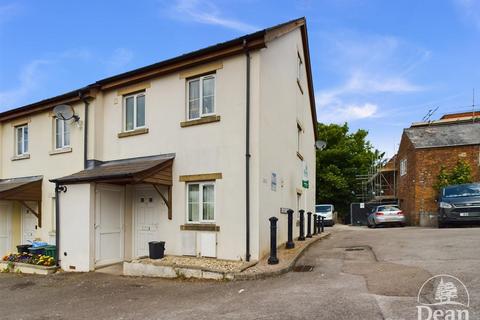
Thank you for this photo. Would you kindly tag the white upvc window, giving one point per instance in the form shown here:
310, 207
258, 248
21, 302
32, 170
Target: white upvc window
21, 138
134, 111
403, 167
62, 134
201, 97
201, 202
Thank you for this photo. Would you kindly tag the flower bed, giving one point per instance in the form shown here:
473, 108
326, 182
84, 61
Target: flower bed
28, 263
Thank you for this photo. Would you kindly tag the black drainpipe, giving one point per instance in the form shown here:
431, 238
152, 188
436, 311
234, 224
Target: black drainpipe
85, 131
57, 224
247, 153
58, 189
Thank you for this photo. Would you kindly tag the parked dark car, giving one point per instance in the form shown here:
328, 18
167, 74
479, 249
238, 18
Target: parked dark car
459, 204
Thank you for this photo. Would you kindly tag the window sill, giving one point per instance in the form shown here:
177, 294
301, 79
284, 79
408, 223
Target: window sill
200, 227
299, 85
135, 132
299, 155
21, 157
203, 120
60, 151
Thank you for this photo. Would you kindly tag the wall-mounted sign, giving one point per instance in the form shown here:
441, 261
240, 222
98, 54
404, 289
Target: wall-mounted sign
305, 182
274, 182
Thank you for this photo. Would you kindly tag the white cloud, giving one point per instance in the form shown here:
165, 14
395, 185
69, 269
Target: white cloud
370, 67
120, 58
207, 12
470, 9
7, 11
349, 112
29, 80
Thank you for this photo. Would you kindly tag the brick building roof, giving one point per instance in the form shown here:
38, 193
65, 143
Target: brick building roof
445, 135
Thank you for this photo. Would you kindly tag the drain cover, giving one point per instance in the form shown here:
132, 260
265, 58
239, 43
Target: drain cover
302, 268
354, 249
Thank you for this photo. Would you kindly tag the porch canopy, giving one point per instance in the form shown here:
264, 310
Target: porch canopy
24, 189
154, 170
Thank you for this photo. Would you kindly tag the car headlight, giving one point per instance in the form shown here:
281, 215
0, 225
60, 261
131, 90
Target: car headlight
445, 205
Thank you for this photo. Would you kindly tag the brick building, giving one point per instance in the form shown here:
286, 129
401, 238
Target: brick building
424, 149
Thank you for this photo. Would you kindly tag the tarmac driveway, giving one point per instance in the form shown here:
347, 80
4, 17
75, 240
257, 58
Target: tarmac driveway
358, 274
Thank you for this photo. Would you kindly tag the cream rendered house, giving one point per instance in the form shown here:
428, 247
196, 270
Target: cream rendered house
197, 151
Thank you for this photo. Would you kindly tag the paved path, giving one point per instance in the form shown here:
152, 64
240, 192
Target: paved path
379, 279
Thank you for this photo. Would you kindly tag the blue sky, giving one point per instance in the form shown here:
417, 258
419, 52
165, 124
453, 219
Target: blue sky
379, 65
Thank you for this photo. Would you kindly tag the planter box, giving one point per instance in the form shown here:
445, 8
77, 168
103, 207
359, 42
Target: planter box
28, 268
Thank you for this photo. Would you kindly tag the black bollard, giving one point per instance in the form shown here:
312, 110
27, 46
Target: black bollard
301, 236
323, 223
273, 241
309, 224
318, 224
315, 231
290, 244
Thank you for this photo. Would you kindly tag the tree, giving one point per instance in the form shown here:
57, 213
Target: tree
345, 156
461, 173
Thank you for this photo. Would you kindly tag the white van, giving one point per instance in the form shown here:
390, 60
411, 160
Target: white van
326, 211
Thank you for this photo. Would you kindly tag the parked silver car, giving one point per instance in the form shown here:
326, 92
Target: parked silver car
387, 214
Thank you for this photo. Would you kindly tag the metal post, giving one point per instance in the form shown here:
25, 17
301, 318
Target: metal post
273, 241
315, 231
318, 224
301, 237
309, 224
323, 223
290, 244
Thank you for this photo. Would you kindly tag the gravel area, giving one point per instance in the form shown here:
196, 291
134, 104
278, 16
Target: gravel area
211, 264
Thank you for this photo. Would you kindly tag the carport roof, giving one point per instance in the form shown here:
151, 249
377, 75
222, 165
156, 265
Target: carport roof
445, 135
153, 169
23, 188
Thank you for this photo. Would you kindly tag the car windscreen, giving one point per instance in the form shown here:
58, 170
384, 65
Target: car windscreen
388, 209
323, 208
467, 190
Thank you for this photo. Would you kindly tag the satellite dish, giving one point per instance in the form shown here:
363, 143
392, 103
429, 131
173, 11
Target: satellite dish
320, 144
65, 112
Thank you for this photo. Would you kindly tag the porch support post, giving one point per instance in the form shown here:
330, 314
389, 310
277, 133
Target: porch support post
168, 200
35, 213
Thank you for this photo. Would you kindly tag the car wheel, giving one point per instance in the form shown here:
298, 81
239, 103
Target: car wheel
402, 225
441, 225
374, 225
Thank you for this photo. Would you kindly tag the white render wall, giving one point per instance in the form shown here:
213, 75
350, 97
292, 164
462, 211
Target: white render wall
282, 106
41, 162
276, 105
207, 148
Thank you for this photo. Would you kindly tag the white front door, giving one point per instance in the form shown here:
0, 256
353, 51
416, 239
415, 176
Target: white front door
147, 220
5, 227
109, 231
29, 225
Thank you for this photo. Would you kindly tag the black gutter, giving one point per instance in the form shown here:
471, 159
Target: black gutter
247, 154
85, 131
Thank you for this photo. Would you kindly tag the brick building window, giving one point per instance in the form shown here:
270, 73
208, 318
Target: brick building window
403, 167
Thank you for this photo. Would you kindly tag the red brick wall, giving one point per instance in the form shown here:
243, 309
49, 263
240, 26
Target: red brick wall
415, 190
406, 183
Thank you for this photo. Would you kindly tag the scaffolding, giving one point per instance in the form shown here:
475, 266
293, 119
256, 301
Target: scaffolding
379, 185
